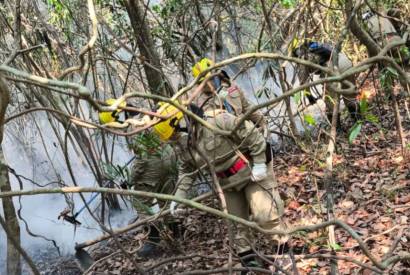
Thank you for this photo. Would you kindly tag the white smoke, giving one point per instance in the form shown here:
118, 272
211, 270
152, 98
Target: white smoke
24, 152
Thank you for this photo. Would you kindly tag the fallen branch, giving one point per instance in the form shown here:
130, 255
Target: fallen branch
309, 228
180, 258
225, 270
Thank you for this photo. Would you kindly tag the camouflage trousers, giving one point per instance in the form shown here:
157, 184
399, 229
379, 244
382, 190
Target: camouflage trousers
256, 201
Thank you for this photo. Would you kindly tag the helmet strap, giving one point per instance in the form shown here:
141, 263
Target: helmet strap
178, 127
115, 115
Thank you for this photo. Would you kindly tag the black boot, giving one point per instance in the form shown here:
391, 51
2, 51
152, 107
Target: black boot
248, 261
151, 245
177, 228
280, 248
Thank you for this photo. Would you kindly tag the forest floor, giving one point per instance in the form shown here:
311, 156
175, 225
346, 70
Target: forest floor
371, 183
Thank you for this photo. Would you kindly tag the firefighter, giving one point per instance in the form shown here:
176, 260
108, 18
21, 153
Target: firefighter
385, 30
240, 158
153, 170
380, 28
321, 54
221, 93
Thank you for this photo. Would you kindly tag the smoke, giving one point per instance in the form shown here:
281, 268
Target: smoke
24, 148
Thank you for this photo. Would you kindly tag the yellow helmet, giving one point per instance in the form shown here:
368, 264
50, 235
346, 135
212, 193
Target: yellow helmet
201, 66
166, 128
107, 117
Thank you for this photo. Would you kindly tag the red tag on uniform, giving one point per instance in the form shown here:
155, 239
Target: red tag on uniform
232, 89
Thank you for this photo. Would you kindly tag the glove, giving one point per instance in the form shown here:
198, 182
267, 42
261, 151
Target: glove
259, 171
155, 206
176, 211
172, 208
264, 131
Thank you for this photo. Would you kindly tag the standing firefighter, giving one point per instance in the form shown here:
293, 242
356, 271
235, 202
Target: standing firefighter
383, 31
400, 21
321, 54
221, 93
237, 159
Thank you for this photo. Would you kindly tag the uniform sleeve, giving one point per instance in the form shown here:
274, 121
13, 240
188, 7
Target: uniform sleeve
137, 170
248, 136
186, 177
257, 116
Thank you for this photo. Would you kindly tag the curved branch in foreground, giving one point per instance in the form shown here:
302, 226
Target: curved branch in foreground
309, 228
85, 93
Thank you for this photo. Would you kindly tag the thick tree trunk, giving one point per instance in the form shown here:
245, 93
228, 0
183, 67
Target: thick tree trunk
13, 255
152, 65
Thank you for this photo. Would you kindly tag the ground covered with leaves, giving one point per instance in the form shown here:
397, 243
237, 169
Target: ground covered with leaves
370, 186
370, 183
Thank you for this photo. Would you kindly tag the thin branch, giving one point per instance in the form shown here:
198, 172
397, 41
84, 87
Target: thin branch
88, 46
309, 228
17, 32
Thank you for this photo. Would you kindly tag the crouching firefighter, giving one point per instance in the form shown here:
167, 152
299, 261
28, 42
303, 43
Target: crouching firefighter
153, 170
237, 159
321, 54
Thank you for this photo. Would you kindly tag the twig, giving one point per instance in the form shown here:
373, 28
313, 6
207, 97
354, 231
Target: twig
90, 269
89, 45
329, 256
309, 228
329, 180
16, 33
179, 258
225, 270
394, 244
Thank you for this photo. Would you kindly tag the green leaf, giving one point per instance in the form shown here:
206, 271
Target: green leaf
405, 52
335, 247
309, 119
392, 71
297, 97
354, 131
363, 105
288, 3
372, 118
259, 93
156, 8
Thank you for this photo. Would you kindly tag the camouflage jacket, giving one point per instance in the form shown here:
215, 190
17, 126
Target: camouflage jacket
233, 100
220, 150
